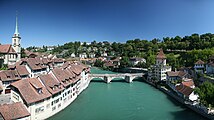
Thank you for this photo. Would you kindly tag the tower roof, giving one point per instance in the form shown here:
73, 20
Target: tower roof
16, 29
161, 55
200, 62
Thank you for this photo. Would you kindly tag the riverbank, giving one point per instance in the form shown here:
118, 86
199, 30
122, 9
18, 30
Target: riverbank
194, 108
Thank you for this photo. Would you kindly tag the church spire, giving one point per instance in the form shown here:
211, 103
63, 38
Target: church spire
16, 29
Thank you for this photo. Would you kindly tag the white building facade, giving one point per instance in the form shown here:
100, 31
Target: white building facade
53, 99
159, 70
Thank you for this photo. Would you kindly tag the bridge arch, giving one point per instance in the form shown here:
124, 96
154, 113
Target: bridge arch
128, 77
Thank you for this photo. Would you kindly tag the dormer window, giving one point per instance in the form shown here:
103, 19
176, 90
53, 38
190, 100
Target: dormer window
39, 90
8, 76
54, 87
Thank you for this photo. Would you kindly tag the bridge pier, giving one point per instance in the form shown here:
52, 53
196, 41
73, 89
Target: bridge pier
132, 78
107, 79
128, 79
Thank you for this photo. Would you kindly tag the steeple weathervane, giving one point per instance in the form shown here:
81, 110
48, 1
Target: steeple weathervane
16, 30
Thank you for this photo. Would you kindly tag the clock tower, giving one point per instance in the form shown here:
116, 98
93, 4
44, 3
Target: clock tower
16, 39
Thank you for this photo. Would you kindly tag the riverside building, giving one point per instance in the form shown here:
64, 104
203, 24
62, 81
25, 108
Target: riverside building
159, 70
49, 93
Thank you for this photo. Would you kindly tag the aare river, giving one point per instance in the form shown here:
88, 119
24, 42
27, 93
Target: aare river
124, 101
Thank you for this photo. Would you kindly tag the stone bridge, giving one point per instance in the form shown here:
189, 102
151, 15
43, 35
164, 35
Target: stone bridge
128, 77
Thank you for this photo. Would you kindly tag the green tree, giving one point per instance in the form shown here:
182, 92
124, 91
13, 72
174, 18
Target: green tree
23, 55
98, 63
206, 93
124, 62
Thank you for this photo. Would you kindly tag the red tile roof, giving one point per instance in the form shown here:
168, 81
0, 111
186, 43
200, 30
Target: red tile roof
77, 69
172, 74
176, 74
28, 90
71, 73
199, 62
63, 76
67, 64
36, 63
185, 90
11, 50
22, 70
46, 60
30, 54
13, 111
58, 60
4, 48
33, 64
189, 83
52, 85
7, 48
161, 55
9, 75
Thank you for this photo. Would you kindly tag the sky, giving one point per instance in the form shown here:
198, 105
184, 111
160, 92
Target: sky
53, 22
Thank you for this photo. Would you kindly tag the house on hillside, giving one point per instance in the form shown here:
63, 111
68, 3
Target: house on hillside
83, 55
116, 61
109, 64
185, 90
73, 55
135, 60
49, 48
199, 66
177, 75
91, 55
210, 66
104, 54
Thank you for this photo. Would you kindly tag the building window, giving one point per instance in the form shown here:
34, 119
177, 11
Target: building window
39, 110
48, 106
15, 96
59, 105
53, 108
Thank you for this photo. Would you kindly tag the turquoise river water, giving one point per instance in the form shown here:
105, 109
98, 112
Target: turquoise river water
124, 101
